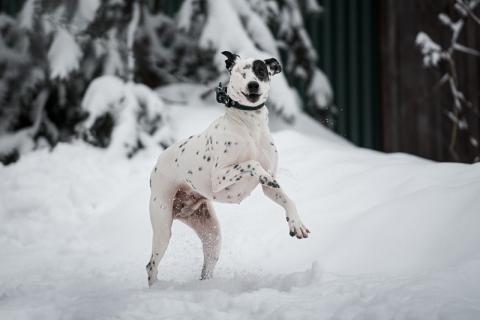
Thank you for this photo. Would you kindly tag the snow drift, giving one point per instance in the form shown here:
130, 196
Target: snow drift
393, 236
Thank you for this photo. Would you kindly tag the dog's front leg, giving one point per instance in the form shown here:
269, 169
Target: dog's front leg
230, 175
295, 224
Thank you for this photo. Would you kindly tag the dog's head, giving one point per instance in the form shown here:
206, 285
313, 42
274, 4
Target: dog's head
250, 78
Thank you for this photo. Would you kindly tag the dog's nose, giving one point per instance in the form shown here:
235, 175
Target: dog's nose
253, 86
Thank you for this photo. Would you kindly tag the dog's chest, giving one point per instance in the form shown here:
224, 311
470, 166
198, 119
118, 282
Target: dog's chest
257, 143
265, 151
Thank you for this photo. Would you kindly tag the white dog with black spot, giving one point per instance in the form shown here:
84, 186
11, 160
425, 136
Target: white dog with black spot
224, 163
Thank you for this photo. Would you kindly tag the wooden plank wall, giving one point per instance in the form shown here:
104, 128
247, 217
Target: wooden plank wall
413, 108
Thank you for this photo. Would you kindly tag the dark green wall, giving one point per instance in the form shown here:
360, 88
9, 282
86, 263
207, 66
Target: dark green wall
345, 36
11, 7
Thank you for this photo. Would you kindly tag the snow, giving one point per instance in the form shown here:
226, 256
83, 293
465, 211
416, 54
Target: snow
393, 237
257, 30
320, 89
26, 15
64, 54
431, 51
85, 13
21, 140
139, 114
113, 61
131, 29
184, 15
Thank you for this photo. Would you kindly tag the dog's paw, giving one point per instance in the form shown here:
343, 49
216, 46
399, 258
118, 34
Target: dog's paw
297, 229
206, 274
151, 273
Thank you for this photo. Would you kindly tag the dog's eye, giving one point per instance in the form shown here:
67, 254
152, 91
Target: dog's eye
260, 70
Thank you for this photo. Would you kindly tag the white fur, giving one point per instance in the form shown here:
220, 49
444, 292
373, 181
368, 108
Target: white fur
224, 163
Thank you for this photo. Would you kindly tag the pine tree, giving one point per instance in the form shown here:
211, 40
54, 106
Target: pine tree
60, 61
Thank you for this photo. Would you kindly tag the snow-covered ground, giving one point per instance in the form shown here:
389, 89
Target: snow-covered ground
393, 237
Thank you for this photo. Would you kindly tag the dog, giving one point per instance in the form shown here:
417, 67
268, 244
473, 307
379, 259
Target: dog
224, 163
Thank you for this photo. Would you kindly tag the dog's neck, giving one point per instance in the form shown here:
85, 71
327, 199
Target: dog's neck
253, 120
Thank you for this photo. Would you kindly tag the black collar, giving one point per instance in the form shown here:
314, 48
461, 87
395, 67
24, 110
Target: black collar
222, 97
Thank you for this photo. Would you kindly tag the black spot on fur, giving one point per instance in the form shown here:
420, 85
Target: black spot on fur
260, 70
273, 65
230, 62
273, 184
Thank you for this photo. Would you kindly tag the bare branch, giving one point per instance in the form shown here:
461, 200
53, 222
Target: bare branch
464, 49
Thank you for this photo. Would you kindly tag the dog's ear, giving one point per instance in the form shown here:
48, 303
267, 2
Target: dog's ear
230, 62
273, 66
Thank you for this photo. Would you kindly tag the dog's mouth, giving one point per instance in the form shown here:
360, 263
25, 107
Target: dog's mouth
252, 97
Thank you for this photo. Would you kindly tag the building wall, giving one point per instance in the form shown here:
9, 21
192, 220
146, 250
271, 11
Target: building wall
413, 105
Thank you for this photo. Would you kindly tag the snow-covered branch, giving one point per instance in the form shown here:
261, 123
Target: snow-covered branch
433, 54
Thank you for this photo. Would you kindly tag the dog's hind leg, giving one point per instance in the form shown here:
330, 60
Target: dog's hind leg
161, 216
205, 223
